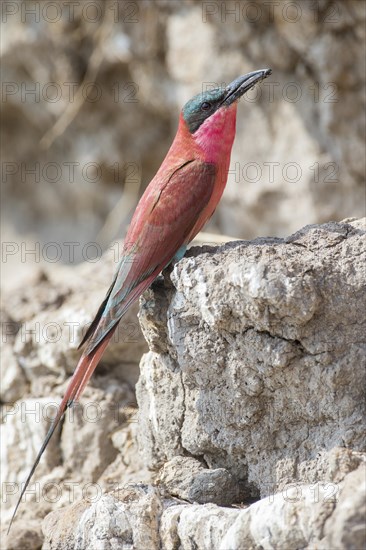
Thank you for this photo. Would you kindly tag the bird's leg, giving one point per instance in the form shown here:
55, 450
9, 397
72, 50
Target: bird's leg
178, 255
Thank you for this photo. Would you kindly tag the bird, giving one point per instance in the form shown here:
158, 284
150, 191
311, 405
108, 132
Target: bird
179, 200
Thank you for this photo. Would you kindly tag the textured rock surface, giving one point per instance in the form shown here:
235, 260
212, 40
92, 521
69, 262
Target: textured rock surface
188, 479
42, 323
128, 517
253, 387
260, 346
27, 536
52, 312
95, 450
139, 65
138, 517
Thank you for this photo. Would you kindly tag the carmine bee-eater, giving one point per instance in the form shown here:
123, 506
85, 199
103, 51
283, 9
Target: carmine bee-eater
175, 206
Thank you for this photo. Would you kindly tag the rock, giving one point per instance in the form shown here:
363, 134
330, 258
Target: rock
80, 458
42, 324
24, 426
49, 318
27, 536
58, 526
154, 417
23, 429
296, 518
346, 527
343, 461
49, 339
251, 341
128, 465
128, 517
138, 516
13, 383
203, 526
251, 391
186, 478
86, 441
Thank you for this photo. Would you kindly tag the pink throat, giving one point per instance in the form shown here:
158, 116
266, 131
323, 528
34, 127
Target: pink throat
216, 135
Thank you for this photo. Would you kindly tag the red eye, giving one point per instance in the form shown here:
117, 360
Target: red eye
205, 106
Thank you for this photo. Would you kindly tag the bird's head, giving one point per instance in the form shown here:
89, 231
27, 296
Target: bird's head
210, 116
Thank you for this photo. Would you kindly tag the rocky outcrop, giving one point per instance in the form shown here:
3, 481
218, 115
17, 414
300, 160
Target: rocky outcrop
303, 516
250, 426
42, 323
257, 358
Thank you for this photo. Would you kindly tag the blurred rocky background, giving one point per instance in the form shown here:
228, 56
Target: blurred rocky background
91, 93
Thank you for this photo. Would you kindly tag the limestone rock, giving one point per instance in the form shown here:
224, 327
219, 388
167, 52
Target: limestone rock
13, 383
186, 478
346, 528
86, 441
138, 516
42, 323
47, 340
252, 388
260, 346
27, 536
23, 429
126, 518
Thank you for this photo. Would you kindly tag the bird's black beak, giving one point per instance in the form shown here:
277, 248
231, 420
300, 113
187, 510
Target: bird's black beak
240, 85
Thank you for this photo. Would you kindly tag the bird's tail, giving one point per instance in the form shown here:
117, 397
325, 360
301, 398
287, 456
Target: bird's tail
80, 378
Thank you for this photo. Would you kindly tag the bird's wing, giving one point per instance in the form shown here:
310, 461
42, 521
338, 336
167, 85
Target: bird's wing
157, 232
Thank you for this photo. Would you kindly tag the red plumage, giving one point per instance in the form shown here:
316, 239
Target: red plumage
175, 206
